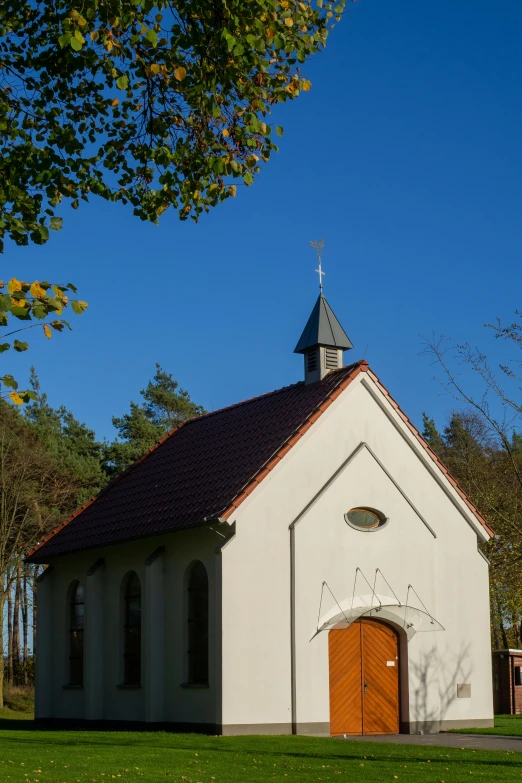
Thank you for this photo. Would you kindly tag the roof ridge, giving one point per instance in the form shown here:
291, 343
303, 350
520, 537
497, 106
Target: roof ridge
261, 396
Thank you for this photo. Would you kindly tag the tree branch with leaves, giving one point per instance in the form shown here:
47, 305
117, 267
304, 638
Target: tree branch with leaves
157, 104
39, 302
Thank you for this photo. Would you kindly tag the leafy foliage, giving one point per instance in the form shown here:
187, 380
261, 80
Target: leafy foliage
27, 302
36, 491
154, 103
484, 470
71, 443
164, 406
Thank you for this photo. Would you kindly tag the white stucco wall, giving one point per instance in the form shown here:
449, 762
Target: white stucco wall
447, 571
160, 697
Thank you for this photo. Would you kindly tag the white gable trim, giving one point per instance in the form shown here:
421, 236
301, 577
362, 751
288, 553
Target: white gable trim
362, 446
374, 391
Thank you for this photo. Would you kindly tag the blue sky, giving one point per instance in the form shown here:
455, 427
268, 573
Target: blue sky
406, 157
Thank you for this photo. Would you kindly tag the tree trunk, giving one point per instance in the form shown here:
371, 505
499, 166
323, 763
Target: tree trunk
16, 618
496, 636
2, 604
503, 633
9, 630
25, 618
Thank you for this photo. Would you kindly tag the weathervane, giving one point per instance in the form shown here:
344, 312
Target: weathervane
318, 247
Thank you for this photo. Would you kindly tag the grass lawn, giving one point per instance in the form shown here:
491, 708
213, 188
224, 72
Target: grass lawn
31, 756
508, 725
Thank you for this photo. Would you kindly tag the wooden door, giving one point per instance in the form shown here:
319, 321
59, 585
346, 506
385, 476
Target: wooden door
364, 679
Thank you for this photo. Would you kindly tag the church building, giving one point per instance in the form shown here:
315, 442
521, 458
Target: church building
300, 562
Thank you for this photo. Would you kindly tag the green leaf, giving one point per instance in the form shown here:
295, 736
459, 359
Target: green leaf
4, 347
19, 346
279, 130
40, 311
21, 313
9, 381
152, 37
123, 82
63, 40
3, 319
248, 178
56, 223
75, 44
78, 307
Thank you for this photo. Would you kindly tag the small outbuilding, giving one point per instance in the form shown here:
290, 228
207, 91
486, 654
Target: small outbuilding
507, 682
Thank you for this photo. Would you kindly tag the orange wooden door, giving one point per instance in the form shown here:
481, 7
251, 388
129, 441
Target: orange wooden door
364, 679
344, 647
380, 674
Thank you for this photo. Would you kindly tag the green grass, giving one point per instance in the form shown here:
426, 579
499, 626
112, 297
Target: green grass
19, 701
32, 756
507, 725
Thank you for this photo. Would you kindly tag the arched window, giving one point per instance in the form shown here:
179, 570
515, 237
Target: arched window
197, 617
132, 630
76, 626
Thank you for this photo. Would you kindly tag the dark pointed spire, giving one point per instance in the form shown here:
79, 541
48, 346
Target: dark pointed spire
323, 329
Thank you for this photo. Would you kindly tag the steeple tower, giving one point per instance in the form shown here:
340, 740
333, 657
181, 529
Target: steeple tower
323, 340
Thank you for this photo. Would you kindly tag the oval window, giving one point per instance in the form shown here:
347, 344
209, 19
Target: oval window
365, 519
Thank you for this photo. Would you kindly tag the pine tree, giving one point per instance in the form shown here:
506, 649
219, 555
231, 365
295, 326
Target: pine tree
431, 434
165, 405
70, 442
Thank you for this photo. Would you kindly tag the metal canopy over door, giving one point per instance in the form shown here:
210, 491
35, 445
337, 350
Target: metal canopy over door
364, 679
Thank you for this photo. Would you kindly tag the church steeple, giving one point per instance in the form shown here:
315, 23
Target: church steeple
323, 340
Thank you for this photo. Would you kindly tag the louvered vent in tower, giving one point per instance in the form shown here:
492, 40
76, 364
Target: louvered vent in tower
311, 360
331, 358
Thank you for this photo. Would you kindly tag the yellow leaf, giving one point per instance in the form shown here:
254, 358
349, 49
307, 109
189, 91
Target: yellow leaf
225, 133
14, 285
94, 35
115, 102
306, 85
82, 21
15, 397
74, 14
180, 73
155, 69
289, 21
47, 331
36, 290
232, 191
109, 45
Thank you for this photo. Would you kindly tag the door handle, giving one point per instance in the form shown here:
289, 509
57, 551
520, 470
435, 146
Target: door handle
366, 687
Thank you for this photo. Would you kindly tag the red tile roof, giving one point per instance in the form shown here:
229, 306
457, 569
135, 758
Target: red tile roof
202, 469
208, 466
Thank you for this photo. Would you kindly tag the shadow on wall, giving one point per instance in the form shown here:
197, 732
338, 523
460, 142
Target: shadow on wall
429, 677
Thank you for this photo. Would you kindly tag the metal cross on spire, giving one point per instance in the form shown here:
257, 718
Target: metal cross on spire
318, 247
